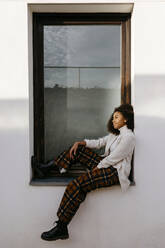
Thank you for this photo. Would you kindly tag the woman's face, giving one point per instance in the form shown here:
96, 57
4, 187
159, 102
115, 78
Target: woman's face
118, 120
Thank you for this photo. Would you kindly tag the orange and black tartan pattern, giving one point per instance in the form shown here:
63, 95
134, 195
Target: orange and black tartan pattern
77, 189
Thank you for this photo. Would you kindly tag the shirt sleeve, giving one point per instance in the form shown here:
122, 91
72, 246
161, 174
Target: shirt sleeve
96, 143
122, 150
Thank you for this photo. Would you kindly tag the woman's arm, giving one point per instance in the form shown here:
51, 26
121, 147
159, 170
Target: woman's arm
96, 143
75, 146
122, 150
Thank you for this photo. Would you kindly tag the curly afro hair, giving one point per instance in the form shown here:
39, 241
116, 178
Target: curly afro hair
127, 111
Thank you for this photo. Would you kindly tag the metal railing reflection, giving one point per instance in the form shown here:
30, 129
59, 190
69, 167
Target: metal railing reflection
82, 77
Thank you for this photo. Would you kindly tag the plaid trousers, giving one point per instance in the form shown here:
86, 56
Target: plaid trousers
76, 191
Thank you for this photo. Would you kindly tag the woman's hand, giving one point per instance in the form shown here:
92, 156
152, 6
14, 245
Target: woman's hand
74, 148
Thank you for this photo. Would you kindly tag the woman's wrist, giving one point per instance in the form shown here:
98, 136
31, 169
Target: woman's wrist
82, 143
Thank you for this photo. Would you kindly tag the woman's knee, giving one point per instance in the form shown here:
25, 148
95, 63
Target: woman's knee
80, 148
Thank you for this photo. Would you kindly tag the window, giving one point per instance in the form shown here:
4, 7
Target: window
81, 70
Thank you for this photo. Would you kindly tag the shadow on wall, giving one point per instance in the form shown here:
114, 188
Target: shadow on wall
149, 95
14, 140
149, 107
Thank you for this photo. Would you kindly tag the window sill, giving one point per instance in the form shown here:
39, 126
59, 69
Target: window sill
56, 181
51, 181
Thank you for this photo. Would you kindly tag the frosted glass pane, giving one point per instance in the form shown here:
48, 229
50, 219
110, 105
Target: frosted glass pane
82, 83
82, 45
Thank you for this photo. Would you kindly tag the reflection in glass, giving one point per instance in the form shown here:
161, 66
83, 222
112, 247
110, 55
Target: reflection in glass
82, 82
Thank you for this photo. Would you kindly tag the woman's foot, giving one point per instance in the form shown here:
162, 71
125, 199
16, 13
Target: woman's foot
51, 166
60, 231
47, 167
41, 170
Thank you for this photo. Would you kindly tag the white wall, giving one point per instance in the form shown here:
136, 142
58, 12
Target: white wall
108, 218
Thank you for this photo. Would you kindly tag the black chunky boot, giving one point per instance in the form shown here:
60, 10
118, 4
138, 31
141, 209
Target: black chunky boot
48, 166
41, 170
60, 231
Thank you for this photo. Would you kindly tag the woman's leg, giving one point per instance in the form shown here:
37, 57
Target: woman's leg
84, 156
63, 162
77, 189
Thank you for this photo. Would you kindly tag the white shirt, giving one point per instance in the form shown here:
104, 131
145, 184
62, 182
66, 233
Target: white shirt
118, 153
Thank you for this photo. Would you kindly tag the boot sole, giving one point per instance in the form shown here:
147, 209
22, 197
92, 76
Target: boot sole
53, 239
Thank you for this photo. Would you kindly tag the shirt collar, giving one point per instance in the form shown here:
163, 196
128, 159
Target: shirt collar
123, 129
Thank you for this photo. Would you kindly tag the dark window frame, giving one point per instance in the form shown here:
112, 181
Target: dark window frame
41, 19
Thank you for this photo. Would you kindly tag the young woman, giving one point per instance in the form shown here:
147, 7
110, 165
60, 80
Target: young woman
113, 167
